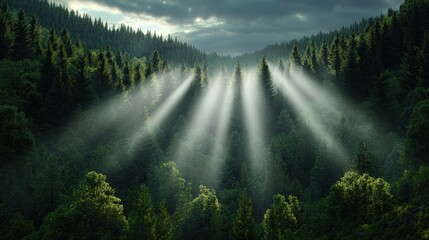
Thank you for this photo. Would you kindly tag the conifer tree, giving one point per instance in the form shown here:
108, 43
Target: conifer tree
164, 223
103, 76
351, 83
266, 81
243, 225
21, 43
35, 37
295, 57
129, 77
142, 220
49, 70
335, 58
67, 43
83, 89
363, 161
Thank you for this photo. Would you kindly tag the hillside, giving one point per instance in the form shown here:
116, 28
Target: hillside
95, 34
119, 134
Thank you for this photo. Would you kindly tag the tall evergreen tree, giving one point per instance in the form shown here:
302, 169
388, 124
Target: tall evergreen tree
295, 57
67, 42
154, 65
364, 64
129, 76
266, 81
21, 43
142, 221
103, 77
243, 225
49, 70
164, 223
363, 161
335, 58
35, 36
84, 93
351, 83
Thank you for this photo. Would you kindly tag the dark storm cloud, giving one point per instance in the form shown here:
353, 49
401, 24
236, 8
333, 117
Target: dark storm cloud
250, 25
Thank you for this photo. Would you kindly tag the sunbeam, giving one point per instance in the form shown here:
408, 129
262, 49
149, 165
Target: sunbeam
202, 118
156, 119
253, 117
304, 107
218, 151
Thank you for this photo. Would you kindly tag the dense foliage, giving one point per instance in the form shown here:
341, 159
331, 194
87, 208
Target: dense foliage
75, 162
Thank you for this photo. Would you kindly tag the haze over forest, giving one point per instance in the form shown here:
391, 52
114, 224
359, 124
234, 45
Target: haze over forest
195, 120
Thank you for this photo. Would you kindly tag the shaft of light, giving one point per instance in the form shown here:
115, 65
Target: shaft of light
306, 112
251, 99
161, 113
224, 121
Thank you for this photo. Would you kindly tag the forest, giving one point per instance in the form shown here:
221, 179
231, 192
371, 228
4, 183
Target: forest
113, 133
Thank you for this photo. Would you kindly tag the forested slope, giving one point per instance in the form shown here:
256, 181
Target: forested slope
76, 163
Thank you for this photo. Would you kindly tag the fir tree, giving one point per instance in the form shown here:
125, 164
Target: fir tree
142, 221
35, 36
295, 57
164, 223
21, 43
243, 225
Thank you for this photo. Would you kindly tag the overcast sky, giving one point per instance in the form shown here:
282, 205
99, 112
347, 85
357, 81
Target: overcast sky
233, 26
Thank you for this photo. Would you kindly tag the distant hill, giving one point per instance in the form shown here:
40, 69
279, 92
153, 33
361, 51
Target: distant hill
96, 34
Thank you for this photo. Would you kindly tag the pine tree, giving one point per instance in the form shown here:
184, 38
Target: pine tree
155, 64
58, 100
128, 76
295, 57
266, 81
409, 68
243, 225
67, 43
139, 71
142, 221
116, 74
103, 77
351, 83
323, 62
21, 43
310, 64
49, 70
35, 36
335, 58
364, 64
363, 161
164, 224
324, 54
84, 94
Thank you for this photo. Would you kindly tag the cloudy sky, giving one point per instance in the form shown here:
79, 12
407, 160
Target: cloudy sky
233, 26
